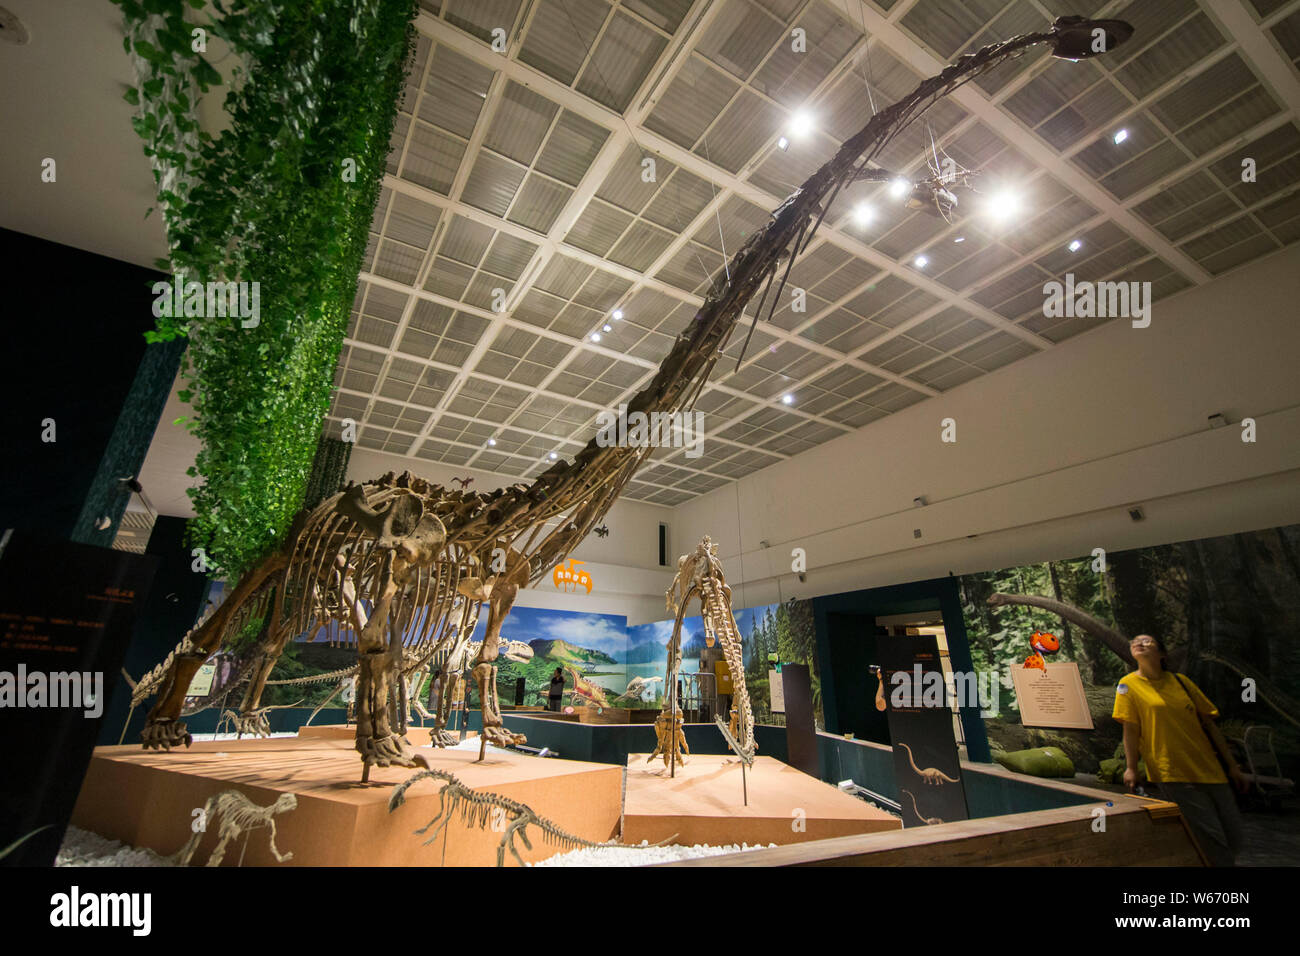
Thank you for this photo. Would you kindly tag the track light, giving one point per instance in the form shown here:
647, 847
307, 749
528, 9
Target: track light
1120, 136
899, 188
1075, 245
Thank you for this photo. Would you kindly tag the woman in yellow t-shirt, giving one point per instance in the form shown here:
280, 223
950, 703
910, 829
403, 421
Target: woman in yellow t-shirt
1159, 710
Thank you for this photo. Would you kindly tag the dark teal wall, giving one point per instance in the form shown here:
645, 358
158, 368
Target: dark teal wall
848, 689
987, 794
174, 604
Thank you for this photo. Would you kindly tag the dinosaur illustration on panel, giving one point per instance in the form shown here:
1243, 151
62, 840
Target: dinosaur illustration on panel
399, 562
1040, 643
510, 817
928, 821
931, 775
699, 574
238, 815
584, 689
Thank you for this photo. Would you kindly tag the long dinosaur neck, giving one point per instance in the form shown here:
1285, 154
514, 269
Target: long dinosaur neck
682, 372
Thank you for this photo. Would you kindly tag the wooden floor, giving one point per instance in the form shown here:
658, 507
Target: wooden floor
146, 798
704, 803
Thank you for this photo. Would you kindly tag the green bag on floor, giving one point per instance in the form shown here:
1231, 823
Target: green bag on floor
1038, 762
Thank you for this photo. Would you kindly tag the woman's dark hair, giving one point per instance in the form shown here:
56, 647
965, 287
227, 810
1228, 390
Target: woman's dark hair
437, 672
559, 670
1164, 654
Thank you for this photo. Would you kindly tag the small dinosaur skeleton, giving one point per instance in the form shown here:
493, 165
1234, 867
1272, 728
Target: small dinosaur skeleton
511, 817
255, 723
928, 821
638, 686
238, 815
699, 574
931, 775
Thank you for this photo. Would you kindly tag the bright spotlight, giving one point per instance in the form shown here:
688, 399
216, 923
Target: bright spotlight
801, 124
1075, 246
960, 239
595, 336
617, 314
863, 214
553, 456
783, 144
787, 399
1121, 136
607, 327
899, 188
921, 262
1003, 205
492, 443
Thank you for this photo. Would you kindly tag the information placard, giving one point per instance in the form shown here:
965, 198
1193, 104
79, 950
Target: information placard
1052, 698
777, 689
201, 685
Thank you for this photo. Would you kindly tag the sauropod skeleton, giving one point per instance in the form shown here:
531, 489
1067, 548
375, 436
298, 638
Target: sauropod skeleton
420, 560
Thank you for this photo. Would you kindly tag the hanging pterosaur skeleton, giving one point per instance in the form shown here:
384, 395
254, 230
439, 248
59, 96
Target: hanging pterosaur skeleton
399, 562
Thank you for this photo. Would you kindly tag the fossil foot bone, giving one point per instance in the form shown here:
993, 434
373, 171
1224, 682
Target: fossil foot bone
165, 734
391, 750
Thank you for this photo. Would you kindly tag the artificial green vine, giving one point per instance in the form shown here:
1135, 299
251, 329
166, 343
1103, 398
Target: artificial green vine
284, 198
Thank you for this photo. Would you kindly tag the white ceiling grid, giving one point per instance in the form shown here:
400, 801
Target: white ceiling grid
514, 217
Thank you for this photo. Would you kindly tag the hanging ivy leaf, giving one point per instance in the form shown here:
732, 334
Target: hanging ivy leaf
257, 204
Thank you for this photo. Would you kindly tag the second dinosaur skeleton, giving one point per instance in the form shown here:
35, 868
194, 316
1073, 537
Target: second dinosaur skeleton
508, 816
237, 815
400, 561
699, 575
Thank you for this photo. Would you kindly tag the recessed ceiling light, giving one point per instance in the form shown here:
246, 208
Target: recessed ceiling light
787, 399
783, 144
921, 262
863, 214
1121, 136
899, 188
607, 327
960, 239
617, 314
801, 124
1075, 245
595, 336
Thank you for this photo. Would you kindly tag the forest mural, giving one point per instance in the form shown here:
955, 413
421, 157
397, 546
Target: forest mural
1227, 608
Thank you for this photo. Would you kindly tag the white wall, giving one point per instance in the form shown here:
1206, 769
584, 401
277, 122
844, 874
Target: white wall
1050, 451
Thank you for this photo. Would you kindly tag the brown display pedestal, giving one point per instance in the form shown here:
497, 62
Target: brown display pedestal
146, 799
703, 803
